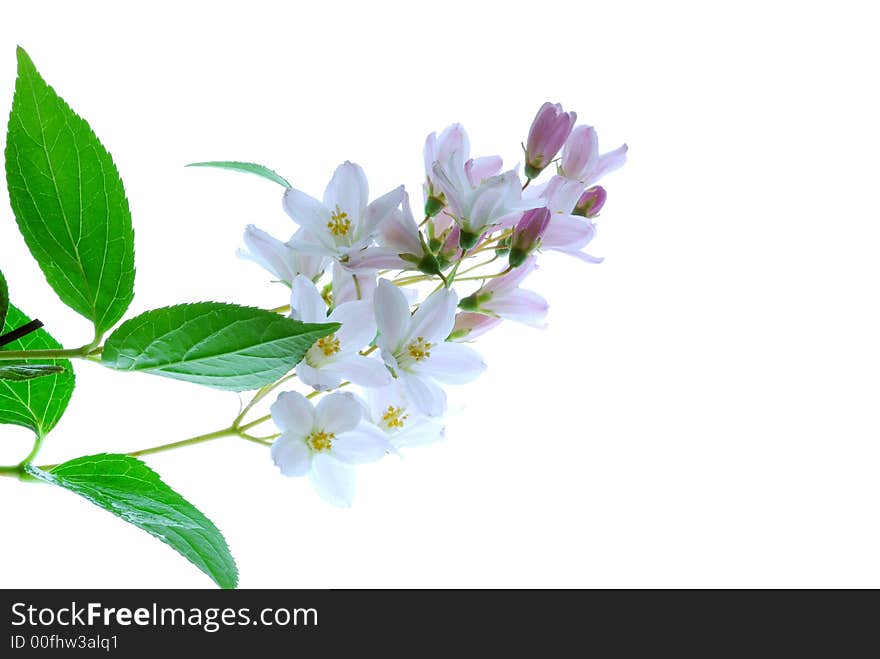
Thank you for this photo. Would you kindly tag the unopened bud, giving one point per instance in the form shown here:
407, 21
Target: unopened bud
591, 202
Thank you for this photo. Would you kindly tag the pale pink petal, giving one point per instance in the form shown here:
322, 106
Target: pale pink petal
567, 232
608, 162
479, 169
521, 305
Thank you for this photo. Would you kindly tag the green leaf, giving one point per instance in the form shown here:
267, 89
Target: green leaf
38, 403
4, 299
225, 346
69, 201
129, 489
246, 167
20, 372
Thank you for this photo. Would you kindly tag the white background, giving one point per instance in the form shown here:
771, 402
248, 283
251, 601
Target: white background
702, 409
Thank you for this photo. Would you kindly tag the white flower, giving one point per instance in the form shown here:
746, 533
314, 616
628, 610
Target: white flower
392, 411
280, 258
344, 222
336, 357
324, 441
452, 143
478, 204
415, 347
400, 246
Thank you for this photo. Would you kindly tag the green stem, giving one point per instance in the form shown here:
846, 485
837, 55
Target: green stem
13, 471
217, 434
72, 353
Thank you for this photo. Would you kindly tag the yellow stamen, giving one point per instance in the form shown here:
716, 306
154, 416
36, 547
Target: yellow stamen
329, 345
339, 223
394, 417
320, 441
419, 349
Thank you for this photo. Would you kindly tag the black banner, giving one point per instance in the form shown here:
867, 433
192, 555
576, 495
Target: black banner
417, 622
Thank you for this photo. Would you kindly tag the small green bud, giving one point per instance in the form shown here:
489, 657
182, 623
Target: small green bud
467, 239
517, 257
531, 171
434, 205
429, 265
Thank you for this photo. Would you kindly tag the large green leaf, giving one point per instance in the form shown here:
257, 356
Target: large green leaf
4, 300
69, 201
246, 167
225, 346
129, 489
34, 403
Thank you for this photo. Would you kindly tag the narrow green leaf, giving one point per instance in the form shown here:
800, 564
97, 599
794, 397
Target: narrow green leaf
246, 167
21, 372
69, 201
225, 346
4, 299
129, 489
38, 403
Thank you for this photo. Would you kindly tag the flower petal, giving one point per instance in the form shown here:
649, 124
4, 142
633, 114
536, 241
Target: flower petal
306, 303
421, 433
428, 397
479, 169
344, 289
291, 455
306, 211
392, 314
366, 443
292, 412
568, 232
325, 378
348, 189
358, 324
363, 371
452, 363
333, 480
337, 413
435, 316
608, 162
521, 305
272, 254
380, 209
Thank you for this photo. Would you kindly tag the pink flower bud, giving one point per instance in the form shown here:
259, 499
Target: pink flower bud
548, 133
468, 326
527, 235
591, 202
580, 154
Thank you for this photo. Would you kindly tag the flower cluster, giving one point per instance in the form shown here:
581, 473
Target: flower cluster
392, 284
